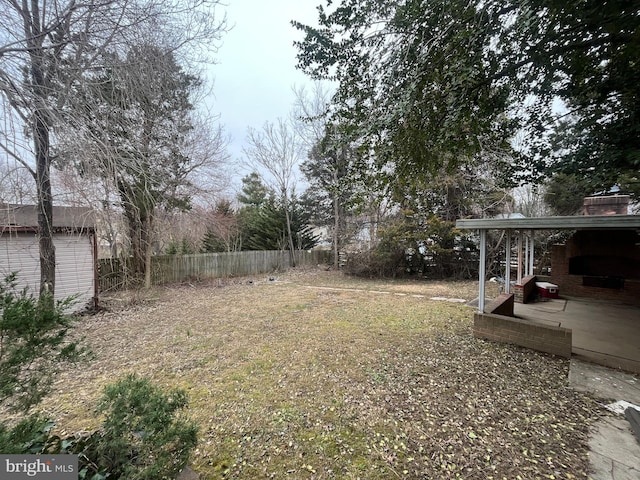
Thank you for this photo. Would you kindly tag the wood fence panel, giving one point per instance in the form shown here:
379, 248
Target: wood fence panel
114, 274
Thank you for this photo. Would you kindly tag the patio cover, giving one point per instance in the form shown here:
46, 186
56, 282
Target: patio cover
586, 222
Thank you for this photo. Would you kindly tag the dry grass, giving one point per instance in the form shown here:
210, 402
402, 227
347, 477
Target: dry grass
290, 380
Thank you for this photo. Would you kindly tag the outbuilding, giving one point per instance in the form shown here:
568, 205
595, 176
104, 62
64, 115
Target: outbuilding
76, 250
597, 275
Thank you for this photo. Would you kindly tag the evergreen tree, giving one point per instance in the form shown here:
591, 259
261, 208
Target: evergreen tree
564, 193
139, 115
329, 169
222, 234
263, 221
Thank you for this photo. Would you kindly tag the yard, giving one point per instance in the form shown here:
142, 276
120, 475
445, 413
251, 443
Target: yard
315, 375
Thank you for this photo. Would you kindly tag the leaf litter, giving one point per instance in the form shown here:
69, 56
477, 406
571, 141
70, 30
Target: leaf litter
291, 382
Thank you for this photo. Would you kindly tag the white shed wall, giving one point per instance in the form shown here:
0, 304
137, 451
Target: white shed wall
74, 264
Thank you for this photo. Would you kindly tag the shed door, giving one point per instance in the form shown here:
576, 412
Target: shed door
74, 264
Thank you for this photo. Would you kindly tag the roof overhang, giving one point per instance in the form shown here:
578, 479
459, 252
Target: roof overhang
24, 219
586, 222
10, 230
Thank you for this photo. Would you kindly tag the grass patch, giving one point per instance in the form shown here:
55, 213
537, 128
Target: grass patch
289, 380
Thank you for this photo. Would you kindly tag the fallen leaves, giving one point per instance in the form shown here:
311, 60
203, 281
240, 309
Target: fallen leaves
287, 381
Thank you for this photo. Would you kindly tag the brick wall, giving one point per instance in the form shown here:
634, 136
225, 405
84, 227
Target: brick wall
609, 205
526, 333
572, 285
501, 305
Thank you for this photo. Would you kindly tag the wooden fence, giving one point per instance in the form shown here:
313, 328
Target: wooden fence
114, 274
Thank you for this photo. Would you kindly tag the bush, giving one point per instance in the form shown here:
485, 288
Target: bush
410, 245
29, 435
375, 263
142, 436
33, 344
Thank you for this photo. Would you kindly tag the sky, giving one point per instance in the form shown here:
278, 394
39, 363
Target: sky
256, 67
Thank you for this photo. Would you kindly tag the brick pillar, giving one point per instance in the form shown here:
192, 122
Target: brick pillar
518, 293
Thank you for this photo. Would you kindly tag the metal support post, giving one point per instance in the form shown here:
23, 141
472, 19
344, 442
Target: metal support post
526, 255
507, 267
482, 269
519, 278
531, 252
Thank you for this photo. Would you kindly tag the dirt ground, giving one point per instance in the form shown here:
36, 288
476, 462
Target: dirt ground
311, 374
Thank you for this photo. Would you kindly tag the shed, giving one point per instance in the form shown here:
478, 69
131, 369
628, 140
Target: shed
74, 240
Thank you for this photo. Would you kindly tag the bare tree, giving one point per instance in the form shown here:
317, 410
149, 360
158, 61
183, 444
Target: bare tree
529, 200
206, 145
310, 110
139, 119
45, 48
102, 196
222, 227
276, 150
329, 159
15, 184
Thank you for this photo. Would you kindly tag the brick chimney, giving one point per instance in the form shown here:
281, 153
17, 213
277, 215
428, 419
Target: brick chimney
609, 205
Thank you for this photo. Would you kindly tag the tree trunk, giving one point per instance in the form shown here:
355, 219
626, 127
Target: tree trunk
140, 235
336, 232
134, 225
45, 208
373, 225
41, 142
113, 244
292, 253
135, 233
147, 235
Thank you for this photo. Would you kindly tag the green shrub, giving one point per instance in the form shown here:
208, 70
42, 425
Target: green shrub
143, 435
33, 344
29, 435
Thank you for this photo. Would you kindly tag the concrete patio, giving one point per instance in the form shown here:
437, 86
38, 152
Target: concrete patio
614, 450
603, 333
606, 334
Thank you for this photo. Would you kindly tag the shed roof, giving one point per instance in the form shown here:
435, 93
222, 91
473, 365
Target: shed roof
25, 217
586, 222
